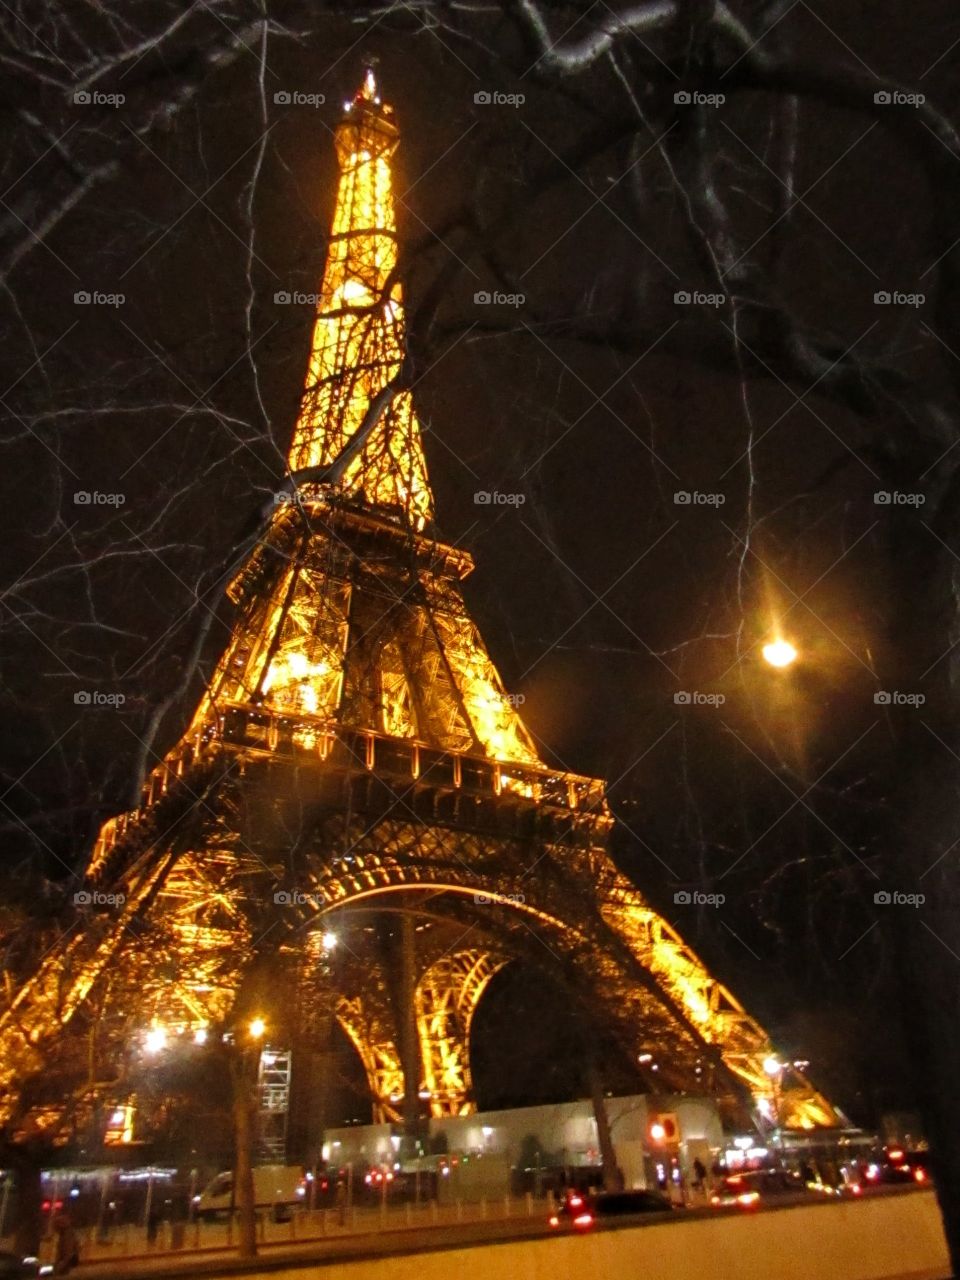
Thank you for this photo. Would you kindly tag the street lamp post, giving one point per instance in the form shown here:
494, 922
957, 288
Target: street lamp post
774, 1069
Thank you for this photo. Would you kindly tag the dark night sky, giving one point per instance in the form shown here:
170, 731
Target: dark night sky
600, 597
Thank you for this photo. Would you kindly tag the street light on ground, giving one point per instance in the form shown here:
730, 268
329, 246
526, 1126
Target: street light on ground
779, 653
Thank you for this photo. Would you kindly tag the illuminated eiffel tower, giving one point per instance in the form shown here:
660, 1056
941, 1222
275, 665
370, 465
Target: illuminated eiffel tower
356, 753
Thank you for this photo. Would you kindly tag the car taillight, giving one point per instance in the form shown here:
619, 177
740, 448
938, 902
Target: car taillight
583, 1219
554, 1221
748, 1197
919, 1175
714, 1199
575, 1202
856, 1189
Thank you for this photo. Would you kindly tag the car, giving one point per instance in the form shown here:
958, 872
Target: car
751, 1190
897, 1165
13, 1267
581, 1212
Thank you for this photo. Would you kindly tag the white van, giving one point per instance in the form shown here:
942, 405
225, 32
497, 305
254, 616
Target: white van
277, 1187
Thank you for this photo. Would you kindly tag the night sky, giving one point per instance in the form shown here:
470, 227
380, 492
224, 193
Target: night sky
597, 399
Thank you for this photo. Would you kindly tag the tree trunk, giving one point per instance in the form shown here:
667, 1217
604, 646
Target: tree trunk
243, 1191
612, 1173
27, 1164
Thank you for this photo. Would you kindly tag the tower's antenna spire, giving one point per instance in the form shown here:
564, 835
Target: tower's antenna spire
358, 340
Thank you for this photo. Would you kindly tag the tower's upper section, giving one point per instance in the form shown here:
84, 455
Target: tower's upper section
358, 336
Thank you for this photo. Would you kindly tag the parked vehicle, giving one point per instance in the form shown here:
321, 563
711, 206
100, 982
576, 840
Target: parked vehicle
277, 1187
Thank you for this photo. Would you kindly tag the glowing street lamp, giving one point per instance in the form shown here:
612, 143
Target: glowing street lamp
329, 941
779, 652
772, 1066
257, 1028
155, 1040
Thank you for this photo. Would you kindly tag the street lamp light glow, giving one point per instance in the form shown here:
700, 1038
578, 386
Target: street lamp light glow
772, 1066
257, 1028
200, 1035
155, 1040
779, 653
329, 941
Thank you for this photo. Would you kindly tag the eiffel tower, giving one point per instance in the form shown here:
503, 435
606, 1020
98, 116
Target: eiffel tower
356, 752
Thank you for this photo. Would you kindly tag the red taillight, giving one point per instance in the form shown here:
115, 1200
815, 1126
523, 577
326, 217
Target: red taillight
856, 1188
920, 1175
583, 1219
575, 1202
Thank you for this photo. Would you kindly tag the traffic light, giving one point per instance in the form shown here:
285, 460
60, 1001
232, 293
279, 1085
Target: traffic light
664, 1129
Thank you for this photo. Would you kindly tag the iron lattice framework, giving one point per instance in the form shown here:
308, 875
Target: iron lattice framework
356, 749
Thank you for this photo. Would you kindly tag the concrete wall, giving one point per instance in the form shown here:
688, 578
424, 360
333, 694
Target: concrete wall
876, 1238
